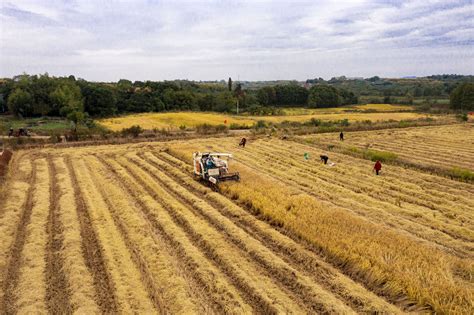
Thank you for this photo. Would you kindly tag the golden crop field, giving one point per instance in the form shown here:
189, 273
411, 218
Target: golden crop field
192, 119
127, 228
352, 108
447, 146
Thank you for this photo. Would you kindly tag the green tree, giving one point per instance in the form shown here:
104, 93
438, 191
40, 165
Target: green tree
185, 100
229, 84
418, 91
291, 95
462, 97
225, 102
206, 102
348, 98
76, 117
99, 100
323, 96
41, 87
20, 103
140, 101
67, 98
266, 96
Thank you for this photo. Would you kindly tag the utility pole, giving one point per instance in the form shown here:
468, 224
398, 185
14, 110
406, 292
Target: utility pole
237, 105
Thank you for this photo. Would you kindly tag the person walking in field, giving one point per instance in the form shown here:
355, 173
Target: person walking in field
377, 167
341, 136
242, 142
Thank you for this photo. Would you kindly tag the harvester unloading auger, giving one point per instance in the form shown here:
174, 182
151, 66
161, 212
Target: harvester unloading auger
213, 168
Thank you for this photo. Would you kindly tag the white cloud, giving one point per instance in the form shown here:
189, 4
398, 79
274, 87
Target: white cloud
148, 39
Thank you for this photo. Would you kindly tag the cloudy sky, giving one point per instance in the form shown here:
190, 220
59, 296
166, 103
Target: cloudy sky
252, 40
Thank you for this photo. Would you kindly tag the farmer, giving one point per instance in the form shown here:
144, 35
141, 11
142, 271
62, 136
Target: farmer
324, 159
242, 142
10, 133
210, 162
377, 167
341, 136
306, 156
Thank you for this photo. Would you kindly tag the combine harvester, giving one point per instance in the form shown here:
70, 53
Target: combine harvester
212, 168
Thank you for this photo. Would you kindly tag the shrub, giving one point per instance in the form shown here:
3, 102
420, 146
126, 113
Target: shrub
463, 117
133, 131
463, 174
235, 126
314, 122
344, 122
260, 124
209, 129
404, 124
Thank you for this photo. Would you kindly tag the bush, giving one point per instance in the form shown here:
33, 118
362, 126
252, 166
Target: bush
133, 131
234, 126
210, 129
314, 122
260, 124
462, 174
344, 122
463, 117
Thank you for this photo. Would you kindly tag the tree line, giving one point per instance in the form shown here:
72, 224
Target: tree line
431, 86
44, 95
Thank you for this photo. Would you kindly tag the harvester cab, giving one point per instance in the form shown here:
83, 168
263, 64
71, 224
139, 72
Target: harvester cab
213, 167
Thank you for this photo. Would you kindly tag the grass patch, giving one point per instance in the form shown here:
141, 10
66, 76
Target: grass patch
373, 155
382, 156
43, 126
462, 174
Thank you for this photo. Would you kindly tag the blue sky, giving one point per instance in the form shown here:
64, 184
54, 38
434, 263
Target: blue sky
252, 40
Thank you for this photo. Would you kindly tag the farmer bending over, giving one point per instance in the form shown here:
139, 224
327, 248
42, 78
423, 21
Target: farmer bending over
324, 159
242, 142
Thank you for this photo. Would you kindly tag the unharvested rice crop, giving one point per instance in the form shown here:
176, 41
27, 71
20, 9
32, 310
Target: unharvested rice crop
126, 228
193, 119
353, 108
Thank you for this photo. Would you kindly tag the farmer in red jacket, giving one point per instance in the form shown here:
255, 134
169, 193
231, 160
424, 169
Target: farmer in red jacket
377, 167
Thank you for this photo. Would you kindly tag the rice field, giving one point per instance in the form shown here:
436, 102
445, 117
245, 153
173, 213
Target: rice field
445, 147
127, 229
352, 108
173, 121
